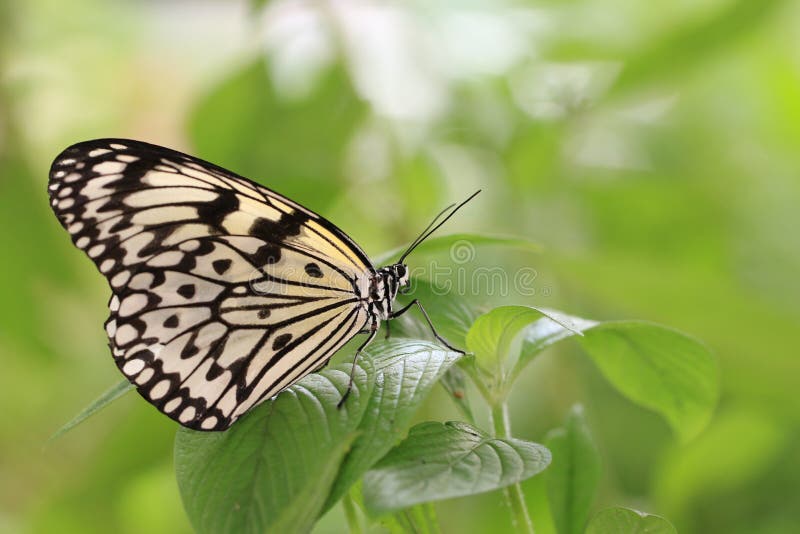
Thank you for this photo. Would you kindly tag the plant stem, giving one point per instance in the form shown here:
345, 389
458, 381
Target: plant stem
514, 497
350, 512
431, 521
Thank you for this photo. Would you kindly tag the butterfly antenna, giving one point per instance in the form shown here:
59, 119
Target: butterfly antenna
438, 215
433, 226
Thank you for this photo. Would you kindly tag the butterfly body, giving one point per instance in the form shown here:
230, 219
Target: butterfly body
384, 287
224, 292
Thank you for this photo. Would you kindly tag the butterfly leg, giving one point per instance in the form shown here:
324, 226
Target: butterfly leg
416, 302
373, 331
388, 329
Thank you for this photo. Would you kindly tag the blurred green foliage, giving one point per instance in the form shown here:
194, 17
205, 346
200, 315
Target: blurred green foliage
652, 148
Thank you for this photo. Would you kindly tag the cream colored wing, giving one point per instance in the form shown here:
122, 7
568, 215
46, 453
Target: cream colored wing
225, 292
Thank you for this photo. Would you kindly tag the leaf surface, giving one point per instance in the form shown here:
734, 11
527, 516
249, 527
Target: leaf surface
444, 460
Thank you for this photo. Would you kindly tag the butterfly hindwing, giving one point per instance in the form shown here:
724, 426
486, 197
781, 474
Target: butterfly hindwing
224, 292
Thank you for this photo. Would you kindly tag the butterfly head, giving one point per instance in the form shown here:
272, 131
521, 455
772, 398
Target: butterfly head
400, 272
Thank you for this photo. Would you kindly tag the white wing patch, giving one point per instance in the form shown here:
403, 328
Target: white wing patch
224, 292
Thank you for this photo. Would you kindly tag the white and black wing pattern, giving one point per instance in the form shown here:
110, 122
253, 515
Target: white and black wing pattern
224, 292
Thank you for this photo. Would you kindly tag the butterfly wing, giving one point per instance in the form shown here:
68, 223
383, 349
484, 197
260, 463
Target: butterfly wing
224, 292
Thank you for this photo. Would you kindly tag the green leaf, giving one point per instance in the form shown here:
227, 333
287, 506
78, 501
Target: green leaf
450, 313
296, 517
452, 316
659, 368
245, 125
547, 331
454, 243
654, 366
574, 473
273, 463
444, 460
496, 339
406, 370
626, 521
110, 395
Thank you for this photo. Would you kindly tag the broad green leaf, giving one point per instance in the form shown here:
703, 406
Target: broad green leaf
110, 395
658, 368
628, 521
548, 331
573, 474
458, 244
406, 370
452, 316
496, 340
552, 329
296, 517
275, 460
444, 460
293, 145
654, 366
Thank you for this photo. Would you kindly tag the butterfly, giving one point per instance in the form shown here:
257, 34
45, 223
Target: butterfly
224, 292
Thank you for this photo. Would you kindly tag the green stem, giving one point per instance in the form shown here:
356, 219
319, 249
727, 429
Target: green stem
350, 512
431, 521
514, 497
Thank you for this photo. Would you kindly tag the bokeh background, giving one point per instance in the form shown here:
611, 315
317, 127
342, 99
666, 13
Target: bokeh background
651, 148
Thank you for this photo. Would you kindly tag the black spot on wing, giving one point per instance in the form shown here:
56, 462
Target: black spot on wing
266, 255
313, 270
187, 291
281, 341
221, 266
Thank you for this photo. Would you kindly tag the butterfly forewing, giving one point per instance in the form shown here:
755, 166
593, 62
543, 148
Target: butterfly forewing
224, 292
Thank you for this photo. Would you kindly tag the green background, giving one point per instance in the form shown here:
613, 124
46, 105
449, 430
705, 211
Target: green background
651, 148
